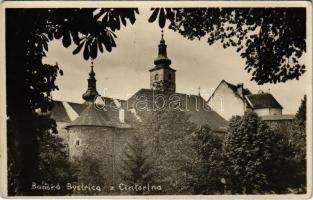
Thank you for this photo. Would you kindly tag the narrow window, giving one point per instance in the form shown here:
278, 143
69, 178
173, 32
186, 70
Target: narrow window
170, 77
156, 77
77, 142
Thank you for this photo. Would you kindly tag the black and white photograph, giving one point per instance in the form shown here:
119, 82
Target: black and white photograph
156, 99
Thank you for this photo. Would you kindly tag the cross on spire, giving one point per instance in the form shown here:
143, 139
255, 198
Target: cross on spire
92, 65
162, 34
199, 90
91, 92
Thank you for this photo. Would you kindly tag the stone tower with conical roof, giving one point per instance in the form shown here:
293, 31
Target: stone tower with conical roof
162, 76
98, 136
91, 93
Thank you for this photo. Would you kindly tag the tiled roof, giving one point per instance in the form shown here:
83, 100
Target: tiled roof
194, 105
78, 107
93, 116
234, 88
200, 113
262, 100
59, 113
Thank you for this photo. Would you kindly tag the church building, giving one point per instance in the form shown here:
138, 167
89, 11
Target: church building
102, 129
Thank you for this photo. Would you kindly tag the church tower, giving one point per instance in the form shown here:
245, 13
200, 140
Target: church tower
162, 76
91, 93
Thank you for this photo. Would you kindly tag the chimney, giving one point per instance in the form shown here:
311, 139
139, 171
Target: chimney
240, 90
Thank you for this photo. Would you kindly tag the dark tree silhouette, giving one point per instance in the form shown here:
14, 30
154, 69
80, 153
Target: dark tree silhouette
301, 113
248, 154
88, 171
168, 133
271, 40
136, 166
207, 168
54, 164
297, 143
30, 82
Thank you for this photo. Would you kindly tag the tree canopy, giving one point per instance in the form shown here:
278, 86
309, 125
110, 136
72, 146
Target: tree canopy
270, 40
248, 154
30, 81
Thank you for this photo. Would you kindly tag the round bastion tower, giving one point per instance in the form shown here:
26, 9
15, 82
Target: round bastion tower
98, 134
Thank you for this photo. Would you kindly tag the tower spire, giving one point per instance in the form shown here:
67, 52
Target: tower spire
162, 76
91, 93
162, 59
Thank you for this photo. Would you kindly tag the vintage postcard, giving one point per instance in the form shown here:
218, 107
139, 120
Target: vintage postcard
156, 99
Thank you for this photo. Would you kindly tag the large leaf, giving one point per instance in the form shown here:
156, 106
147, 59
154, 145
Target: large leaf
162, 18
66, 40
78, 48
154, 15
86, 50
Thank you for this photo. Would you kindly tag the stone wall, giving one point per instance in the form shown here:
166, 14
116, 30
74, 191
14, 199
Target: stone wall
104, 144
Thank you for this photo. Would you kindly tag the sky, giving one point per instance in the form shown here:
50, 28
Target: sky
124, 71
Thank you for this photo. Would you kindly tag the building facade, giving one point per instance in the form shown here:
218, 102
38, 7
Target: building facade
100, 126
229, 100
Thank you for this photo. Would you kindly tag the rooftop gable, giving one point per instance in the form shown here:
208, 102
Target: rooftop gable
232, 87
262, 100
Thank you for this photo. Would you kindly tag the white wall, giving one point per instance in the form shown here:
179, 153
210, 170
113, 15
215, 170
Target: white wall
275, 111
226, 103
262, 111
268, 111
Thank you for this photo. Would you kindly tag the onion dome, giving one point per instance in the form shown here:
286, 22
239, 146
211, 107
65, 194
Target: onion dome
162, 58
91, 93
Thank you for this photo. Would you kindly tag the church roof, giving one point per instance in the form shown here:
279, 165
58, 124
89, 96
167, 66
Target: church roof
59, 113
194, 106
93, 116
68, 112
262, 100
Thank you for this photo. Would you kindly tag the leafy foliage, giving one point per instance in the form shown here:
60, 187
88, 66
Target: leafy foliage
301, 113
30, 82
271, 40
248, 152
169, 136
207, 167
290, 151
297, 143
136, 166
88, 171
54, 164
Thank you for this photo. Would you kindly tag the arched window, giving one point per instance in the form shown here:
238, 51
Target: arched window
156, 77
